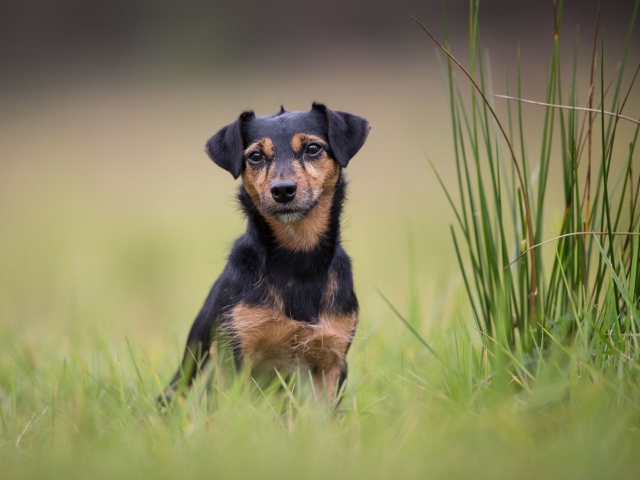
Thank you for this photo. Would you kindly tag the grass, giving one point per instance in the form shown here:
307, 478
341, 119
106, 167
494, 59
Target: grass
512, 384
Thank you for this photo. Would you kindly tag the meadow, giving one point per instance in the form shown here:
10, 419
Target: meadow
115, 224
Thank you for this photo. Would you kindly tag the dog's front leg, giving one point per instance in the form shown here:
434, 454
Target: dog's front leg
196, 352
328, 382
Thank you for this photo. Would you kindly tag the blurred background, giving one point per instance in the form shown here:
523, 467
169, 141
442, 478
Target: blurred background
112, 219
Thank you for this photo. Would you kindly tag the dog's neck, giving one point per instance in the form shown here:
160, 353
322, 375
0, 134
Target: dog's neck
317, 233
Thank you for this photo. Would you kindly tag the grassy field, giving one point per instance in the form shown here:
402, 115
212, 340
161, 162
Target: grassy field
114, 226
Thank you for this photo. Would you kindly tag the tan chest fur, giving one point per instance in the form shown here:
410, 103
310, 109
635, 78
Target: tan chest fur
269, 339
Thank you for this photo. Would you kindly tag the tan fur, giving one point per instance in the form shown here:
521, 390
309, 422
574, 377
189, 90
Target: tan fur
256, 179
269, 339
264, 145
274, 297
330, 290
301, 140
326, 382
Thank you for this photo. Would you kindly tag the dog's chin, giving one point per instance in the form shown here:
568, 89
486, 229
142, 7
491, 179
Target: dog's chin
289, 216
289, 213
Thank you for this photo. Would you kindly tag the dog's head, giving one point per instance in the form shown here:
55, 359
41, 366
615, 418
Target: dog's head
290, 159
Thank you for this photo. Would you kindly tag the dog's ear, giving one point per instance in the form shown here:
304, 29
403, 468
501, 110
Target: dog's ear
346, 133
226, 147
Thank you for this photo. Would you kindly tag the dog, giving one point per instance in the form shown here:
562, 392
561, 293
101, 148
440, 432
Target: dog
285, 299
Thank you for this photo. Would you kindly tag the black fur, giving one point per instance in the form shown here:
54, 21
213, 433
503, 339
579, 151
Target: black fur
225, 147
299, 277
346, 133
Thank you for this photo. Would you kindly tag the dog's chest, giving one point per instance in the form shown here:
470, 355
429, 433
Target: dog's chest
269, 339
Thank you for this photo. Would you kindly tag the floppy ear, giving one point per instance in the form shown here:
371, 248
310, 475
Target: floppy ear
226, 147
346, 133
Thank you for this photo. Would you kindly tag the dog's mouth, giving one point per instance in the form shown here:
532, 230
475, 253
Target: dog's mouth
290, 216
290, 213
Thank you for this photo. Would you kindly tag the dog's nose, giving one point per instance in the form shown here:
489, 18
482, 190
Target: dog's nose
284, 191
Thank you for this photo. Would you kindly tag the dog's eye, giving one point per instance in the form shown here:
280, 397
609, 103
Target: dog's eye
313, 149
255, 157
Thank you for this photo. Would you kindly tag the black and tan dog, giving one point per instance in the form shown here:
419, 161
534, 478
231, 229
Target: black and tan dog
285, 299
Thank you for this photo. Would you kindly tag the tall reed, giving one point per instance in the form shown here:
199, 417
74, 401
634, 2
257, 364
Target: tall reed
589, 293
